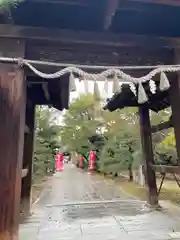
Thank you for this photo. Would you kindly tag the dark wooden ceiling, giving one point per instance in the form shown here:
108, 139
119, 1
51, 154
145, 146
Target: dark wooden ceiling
148, 17
157, 18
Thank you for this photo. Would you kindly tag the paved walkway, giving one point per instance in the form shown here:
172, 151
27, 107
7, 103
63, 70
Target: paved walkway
79, 206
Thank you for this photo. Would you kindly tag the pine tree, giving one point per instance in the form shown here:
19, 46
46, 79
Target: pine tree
80, 125
46, 144
123, 141
6, 5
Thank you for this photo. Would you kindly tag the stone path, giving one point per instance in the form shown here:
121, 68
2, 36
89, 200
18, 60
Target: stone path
80, 206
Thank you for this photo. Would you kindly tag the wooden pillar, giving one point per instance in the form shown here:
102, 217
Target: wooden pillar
175, 99
146, 140
12, 121
174, 95
28, 159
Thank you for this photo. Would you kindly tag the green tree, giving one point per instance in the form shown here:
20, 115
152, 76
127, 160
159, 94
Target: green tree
123, 141
115, 136
164, 141
81, 123
157, 118
47, 142
7, 4
166, 150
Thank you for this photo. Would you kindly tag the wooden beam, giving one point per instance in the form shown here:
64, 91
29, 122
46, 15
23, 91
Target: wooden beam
28, 161
161, 126
87, 54
146, 140
80, 3
111, 9
175, 3
12, 111
33, 34
166, 169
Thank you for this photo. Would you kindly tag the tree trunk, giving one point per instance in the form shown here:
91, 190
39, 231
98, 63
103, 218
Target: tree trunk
130, 174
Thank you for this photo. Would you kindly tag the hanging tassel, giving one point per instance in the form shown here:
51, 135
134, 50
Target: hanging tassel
120, 87
106, 86
72, 84
133, 88
86, 86
116, 86
164, 82
152, 86
142, 97
97, 94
